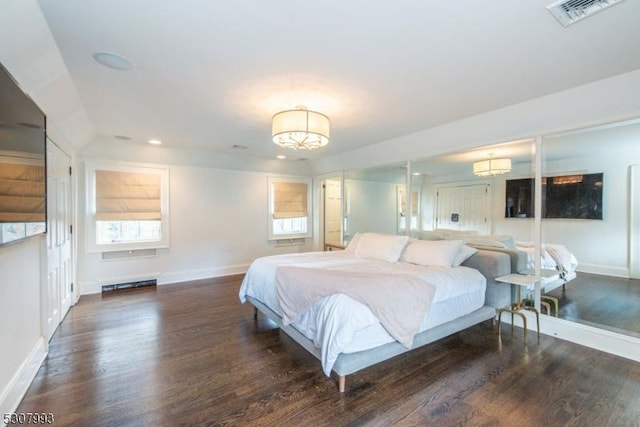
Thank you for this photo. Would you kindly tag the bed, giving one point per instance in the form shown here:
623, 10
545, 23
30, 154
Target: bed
337, 324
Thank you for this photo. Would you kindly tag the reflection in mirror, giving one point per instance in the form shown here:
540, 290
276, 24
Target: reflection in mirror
403, 207
456, 200
596, 252
333, 212
371, 200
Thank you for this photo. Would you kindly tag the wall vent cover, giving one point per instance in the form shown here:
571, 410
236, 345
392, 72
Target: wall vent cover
568, 12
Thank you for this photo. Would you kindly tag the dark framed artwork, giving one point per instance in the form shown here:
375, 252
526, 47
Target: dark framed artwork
576, 196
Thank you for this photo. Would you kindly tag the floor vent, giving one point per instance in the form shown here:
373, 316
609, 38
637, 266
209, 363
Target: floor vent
568, 12
129, 285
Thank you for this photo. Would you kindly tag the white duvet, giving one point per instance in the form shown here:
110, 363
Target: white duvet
338, 324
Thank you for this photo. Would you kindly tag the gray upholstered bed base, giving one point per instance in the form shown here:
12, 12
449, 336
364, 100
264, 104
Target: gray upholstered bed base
490, 263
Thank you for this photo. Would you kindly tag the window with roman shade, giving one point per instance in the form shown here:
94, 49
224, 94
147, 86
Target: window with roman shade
290, 200
22, 193
289, 207
128, 207
123, 196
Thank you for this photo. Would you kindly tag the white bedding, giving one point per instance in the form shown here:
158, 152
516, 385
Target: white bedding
553, 257
338, 324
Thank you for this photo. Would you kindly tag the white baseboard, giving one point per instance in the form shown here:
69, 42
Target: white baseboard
185, 276
95, 287
604, 270
16, 389
600, 339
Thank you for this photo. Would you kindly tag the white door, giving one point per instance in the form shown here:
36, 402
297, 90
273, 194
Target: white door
59, 293
332, 212
464, 208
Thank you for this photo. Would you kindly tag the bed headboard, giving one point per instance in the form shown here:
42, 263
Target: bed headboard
493, 264
519, 259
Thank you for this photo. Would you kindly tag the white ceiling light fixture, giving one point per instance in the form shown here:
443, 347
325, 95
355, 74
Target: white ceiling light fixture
491, 167
113, 61
300, 129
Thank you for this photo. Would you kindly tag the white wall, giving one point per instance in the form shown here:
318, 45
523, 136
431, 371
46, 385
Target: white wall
21, 328
607, 100
218, 225
30, 54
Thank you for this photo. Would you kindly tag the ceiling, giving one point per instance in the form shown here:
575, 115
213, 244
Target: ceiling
210, 74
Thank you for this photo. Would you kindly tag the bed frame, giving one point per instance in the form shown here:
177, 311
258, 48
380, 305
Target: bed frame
491, 264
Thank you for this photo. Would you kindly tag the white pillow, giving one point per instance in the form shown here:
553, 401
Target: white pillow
463, 254
353, 243
383, 247
437, 253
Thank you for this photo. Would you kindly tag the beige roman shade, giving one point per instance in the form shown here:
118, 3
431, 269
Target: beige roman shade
127, 196
22, 193
289, 200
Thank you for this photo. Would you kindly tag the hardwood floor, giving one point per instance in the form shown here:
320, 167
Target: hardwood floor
603, 301
191, 354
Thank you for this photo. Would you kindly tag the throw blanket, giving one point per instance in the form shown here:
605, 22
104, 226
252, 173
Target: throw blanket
562, 257
400, 302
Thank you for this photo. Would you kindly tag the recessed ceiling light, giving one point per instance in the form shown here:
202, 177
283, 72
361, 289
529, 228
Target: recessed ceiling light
155, 142
113, 61
281, 156
416, 174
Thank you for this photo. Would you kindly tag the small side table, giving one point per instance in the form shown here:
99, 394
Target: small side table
546, 300
519, 280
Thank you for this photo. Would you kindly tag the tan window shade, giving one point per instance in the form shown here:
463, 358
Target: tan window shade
22, 193
289, 200
122, 196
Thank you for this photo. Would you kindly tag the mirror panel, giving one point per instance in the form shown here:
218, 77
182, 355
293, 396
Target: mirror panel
596, 256
371, 200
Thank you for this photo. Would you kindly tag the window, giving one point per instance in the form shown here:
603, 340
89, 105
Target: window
289, 208
128, 207
22, 197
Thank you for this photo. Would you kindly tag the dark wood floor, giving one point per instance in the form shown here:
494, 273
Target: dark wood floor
191, 354
607, 302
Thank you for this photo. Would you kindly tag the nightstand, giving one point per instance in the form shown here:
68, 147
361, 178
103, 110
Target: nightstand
519, 281
546, 300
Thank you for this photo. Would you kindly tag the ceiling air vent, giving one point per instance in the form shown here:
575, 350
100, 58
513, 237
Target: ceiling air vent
568, 12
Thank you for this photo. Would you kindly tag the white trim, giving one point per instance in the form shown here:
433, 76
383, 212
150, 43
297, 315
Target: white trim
271, 179
604, 270
600, 339
95, 287
13, 393
185, 276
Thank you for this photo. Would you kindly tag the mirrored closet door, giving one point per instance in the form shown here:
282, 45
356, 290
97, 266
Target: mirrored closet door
590, 214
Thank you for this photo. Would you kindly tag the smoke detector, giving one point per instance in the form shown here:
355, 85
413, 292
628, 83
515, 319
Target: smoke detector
568, 12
